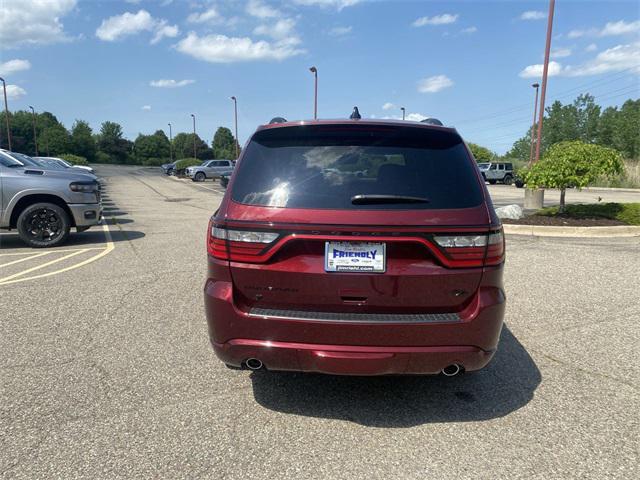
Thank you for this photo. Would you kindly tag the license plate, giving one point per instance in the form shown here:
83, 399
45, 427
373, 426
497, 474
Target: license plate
355, 257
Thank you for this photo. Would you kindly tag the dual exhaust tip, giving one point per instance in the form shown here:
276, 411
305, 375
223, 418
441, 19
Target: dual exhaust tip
448, 371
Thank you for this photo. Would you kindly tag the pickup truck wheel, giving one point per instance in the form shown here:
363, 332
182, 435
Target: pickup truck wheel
43, 225
508, 180
200, 177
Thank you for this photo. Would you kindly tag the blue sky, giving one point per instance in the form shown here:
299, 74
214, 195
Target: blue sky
144, 63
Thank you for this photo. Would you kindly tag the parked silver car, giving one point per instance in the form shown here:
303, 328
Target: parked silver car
210, 169
43, 205
63, 163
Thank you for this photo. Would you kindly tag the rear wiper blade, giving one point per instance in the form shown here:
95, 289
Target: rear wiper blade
382, 199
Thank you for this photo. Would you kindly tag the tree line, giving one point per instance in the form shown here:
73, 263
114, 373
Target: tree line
109, 145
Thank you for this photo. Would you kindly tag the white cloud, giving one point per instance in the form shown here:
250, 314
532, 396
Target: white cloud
120, 26
560, 52
389, 106
33, 22
340, 31
444, 19
13, 66
618, 58
339, 4
208, 16
14, 92
469, 30
169, 83
592, 47
535, 71
609, 30
434, 84
281, 29
163, 30
223, 49
533, 15
415, 117
259, 9
146, 108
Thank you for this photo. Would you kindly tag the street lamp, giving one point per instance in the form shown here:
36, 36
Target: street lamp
35, 136
194, 136
170, 143
533, 126
545, 71
403, 111
314, 70
6, 112
235, 108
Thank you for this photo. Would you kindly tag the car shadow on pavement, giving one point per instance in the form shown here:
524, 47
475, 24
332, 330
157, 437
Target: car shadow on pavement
89, 238
504, 386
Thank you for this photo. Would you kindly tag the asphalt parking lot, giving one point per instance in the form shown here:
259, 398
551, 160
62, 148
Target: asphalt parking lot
107, 371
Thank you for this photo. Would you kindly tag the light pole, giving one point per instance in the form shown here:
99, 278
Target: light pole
194, 136
35, 136
533, 125
403, 111
170, 143
235, 109
545, 71
314, 70
6, 112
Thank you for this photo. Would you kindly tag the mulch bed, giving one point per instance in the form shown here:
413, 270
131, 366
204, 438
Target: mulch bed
562, 221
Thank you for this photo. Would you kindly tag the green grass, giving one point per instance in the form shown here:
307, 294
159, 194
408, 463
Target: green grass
628, 213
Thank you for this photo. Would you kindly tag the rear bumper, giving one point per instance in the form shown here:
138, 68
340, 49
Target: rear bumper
349, 348
86, 214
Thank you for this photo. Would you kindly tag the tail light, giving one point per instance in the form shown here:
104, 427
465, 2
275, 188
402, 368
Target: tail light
472, 250
238, 245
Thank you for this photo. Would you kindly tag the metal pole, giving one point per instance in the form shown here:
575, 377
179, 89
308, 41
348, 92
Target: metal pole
170, 143
545, 71
314, 70
235, 108
6, 112
35, 136
403, 111
533, 125
194, 136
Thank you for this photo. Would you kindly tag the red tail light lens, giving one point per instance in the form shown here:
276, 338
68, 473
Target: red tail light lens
472, 250
237, 245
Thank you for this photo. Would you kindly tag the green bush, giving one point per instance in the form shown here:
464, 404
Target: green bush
102, 157
74, 159
187, 162
628, 213
155, 162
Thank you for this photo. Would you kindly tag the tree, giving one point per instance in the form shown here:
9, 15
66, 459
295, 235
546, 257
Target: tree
154, 146
574, 163
183, 147
82, 141
481, 154
111, 143
627, 134
54, 140
224, 145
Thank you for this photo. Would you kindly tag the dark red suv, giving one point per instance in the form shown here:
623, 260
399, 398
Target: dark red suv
355, 247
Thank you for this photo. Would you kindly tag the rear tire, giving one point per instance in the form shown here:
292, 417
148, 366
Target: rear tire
508, 180
43, 225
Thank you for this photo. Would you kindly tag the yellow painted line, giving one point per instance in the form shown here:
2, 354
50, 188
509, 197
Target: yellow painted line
61, 250
110, 246
25, 259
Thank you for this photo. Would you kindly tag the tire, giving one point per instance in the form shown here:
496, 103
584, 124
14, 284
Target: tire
492, 182
43, 225
171, 172
519, 184
508, 180
200, 177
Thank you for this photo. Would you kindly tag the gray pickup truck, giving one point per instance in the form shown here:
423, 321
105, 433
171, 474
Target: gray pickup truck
43, 205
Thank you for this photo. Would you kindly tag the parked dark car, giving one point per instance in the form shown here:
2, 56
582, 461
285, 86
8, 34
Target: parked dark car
396, 271
169, 168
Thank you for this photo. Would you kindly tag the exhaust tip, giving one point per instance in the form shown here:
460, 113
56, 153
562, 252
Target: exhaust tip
253, 363
451, 370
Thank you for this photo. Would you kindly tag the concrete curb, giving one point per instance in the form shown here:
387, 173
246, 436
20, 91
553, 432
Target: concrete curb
589, 232
611, 189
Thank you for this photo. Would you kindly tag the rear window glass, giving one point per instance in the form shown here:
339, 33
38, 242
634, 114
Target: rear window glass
327, 166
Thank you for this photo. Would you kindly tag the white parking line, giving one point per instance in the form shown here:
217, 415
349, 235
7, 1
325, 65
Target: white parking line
61, 250
38, 267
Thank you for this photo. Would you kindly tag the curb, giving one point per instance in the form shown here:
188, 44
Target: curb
611, 189
588, 232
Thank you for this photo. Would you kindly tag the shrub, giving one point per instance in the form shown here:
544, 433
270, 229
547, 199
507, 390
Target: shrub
74, 159
628, 213
102, 157
187, 162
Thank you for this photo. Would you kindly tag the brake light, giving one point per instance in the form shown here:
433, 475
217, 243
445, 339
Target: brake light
237, 245
472, 250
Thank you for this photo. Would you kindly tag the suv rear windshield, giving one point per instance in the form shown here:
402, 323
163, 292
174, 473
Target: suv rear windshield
326, 166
